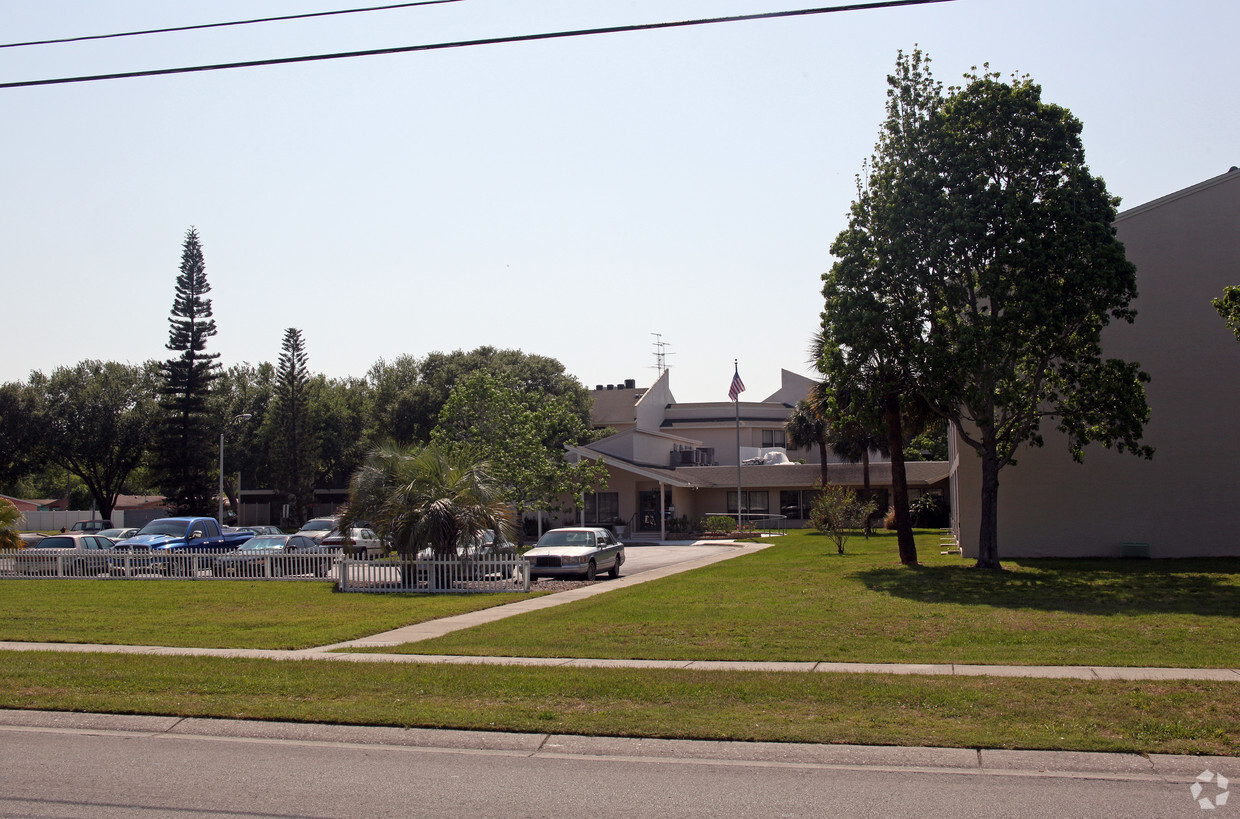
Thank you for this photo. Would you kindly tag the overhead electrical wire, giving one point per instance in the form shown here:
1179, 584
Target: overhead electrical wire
520, 38
223, 25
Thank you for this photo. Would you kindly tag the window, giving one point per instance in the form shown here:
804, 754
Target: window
792, 504
602, 509
774, 438
756, 502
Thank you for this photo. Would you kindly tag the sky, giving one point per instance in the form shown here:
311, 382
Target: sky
579, 198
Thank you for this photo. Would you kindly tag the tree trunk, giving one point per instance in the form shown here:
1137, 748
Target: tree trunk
822, 453
988, 532
899, 481
230, 492
866, 494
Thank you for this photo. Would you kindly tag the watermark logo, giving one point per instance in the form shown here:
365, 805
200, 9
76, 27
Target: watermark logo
1218, 796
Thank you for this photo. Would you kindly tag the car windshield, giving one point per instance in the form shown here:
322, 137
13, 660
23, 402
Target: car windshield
318, 526
54, 543
567, 539
262, 542
164, 527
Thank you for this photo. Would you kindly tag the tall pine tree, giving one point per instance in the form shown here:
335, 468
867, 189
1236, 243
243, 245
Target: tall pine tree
186, 441
295, 447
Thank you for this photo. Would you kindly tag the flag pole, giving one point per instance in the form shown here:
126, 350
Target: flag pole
740, 505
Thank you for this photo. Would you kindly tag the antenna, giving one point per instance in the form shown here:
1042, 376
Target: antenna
661, 353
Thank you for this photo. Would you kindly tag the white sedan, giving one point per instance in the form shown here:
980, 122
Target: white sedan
578, 552
360, 541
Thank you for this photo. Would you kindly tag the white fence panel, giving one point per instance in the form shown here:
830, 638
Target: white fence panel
354, 574
468, 576
54, 521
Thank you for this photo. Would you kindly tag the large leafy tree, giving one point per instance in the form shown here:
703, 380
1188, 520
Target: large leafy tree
410, 393
522, 435
980, 258
186, 437
95, 419
1228, 306
419, 496
18, 432
244, 389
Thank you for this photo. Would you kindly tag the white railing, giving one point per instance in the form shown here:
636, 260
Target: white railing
216, 563
466, 575
360, 574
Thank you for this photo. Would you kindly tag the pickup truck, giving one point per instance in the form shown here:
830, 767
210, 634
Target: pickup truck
157, 545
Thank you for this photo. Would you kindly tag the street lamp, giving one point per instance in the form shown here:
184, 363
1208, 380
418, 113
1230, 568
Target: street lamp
245, 416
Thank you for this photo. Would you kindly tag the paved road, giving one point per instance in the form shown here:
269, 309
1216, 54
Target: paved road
102, 767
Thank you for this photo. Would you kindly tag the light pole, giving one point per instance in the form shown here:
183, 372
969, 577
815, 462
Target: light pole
245, 416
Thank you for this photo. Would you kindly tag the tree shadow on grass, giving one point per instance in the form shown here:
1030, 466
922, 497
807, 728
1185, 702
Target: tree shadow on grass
1208, 586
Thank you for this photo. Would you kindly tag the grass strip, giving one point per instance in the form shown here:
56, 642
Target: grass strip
874, 709
214, 614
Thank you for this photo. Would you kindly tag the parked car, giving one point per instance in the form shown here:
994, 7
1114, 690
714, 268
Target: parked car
27, 538
73, 553
275, 556
262, 530
477, 557
90, 526
318, 528
119, 534
363, 541
172, 543
576, 551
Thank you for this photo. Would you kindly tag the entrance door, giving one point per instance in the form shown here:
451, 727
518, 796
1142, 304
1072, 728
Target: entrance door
648, 508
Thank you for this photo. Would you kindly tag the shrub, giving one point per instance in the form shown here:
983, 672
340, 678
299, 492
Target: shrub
930, 512
720, 523
836, 510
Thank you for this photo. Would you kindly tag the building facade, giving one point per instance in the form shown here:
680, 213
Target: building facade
1183, 502
671, 464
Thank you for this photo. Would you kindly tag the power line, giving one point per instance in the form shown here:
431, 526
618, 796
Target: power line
222, 25
521, 38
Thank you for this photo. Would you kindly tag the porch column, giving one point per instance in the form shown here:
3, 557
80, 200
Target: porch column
662, 514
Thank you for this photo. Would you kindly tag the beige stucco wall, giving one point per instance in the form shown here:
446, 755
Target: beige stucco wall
1186, 501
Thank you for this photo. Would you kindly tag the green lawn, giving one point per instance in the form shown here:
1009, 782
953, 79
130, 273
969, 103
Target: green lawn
799, 600
213, 614
879, 709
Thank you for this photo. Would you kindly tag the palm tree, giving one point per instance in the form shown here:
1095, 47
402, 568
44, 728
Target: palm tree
420, 496
9, 519
806, 427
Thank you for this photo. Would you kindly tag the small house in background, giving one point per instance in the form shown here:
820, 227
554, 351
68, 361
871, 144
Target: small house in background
1186, 501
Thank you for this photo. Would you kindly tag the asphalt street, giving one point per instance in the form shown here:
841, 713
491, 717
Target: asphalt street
109, 767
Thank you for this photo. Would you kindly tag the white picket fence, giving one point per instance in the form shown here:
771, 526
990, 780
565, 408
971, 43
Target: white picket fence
463, 576
353, 574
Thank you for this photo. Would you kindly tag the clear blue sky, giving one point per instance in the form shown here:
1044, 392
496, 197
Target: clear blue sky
568, 198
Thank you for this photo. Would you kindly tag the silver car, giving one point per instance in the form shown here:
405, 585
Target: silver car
73, 553
576, 552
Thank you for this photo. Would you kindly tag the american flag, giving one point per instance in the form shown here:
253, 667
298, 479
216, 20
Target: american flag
737, 387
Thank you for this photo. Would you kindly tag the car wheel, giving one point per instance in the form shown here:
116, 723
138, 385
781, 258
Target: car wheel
591, 570
79, 568
614, 571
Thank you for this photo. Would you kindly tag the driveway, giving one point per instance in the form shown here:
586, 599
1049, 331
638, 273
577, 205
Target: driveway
638, 559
